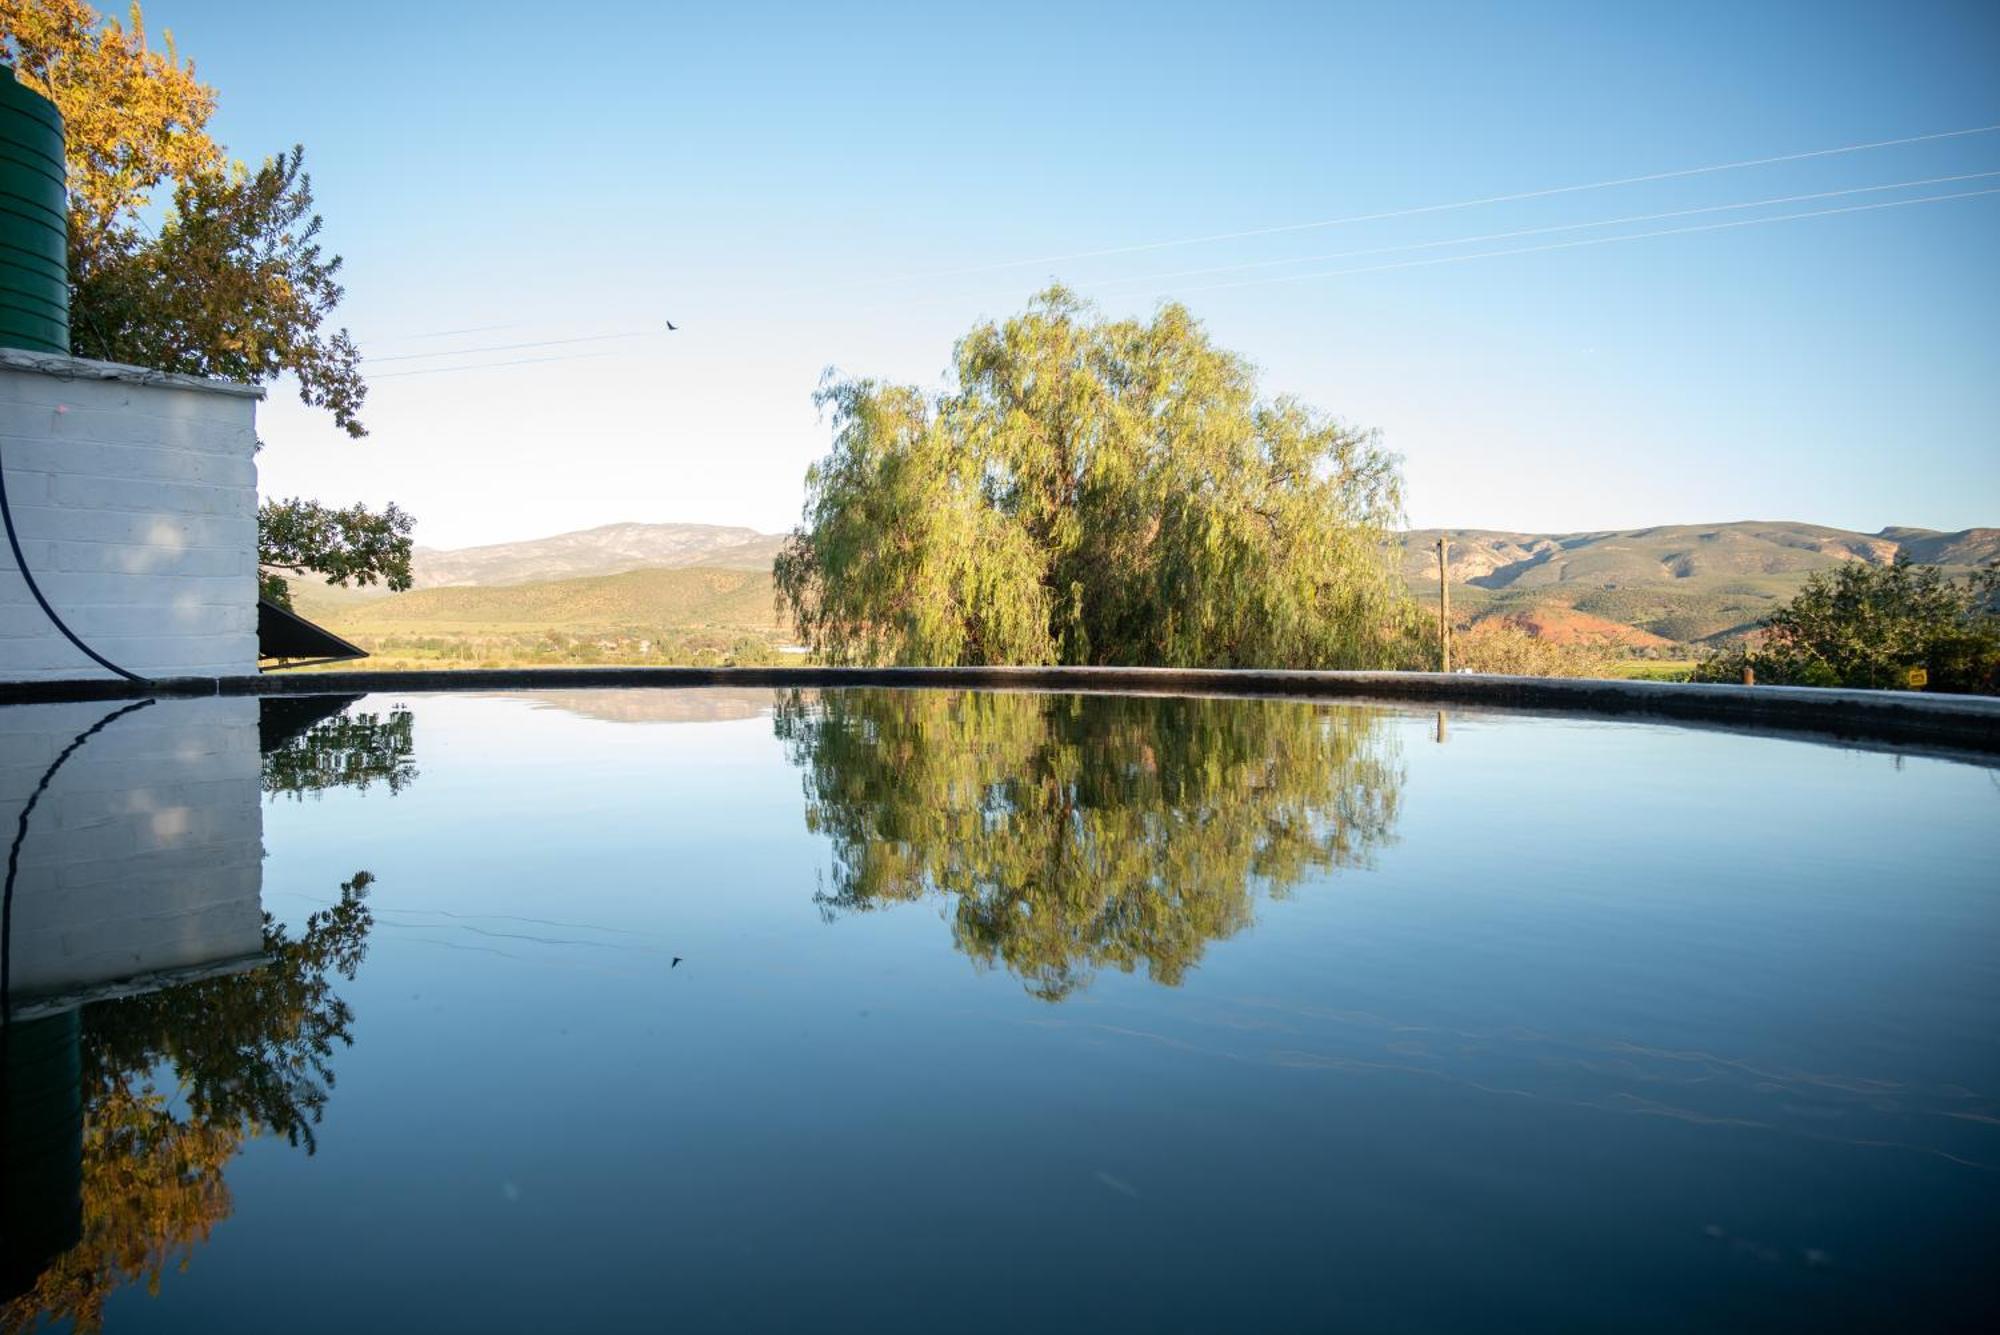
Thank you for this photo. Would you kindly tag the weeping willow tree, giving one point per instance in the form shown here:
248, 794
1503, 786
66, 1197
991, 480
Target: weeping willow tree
1094, 491
1075, 833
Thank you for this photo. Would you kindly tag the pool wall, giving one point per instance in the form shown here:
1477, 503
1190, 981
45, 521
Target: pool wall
1902, 718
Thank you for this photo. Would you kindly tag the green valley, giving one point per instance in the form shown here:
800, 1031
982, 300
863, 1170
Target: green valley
1646, 600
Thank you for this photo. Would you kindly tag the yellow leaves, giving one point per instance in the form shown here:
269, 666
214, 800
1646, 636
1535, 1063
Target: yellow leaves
134, 118
152, 1190
245, 1049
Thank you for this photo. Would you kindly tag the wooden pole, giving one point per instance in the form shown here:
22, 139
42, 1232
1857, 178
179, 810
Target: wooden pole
1444, 613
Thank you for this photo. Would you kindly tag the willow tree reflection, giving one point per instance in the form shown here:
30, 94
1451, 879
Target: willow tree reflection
1079, 832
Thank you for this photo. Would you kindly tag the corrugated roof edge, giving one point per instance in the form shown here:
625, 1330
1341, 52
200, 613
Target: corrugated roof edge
82, 368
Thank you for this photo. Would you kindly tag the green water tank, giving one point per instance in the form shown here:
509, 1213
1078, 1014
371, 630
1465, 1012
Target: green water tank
34, 221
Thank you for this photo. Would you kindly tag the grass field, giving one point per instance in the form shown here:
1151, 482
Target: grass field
693, 615
697, 616
1641, 603
1649, 669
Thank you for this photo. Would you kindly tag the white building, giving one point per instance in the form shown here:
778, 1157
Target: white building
133, 498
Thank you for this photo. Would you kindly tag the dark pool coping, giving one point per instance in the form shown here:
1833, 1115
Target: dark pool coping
35, 1006
1966, 724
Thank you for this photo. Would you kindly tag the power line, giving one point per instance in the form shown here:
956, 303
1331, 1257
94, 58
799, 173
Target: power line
1516, 197
513, 347
1540, 231
446, 333
1595, 241
481, 366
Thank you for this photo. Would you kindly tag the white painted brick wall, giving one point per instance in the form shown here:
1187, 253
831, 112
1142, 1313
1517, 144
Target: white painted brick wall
135, 499
145, 853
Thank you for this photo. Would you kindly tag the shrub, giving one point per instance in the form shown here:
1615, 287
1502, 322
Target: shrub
1870, 626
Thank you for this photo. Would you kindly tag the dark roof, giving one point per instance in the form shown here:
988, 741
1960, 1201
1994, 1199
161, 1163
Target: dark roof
283, 633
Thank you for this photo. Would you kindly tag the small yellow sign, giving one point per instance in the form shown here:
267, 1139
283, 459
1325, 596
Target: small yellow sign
1918, 678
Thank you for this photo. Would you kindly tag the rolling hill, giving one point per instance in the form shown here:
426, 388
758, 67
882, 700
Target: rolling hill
653, 599
636, 592
695, 614
1685, 583
607, 550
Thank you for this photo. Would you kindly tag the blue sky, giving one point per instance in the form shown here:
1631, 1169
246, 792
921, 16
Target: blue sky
808, 186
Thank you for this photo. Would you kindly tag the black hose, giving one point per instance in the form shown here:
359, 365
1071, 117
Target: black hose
14, 858
21, 560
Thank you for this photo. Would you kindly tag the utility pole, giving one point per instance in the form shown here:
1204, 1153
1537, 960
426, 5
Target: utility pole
1444, 612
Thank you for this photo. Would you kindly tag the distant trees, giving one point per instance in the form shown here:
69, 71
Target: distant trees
355, 545
347, 750
228, 280
749, 651
1501, 646
1094, 491
1869, 626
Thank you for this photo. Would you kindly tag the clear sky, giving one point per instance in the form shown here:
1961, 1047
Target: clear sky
821, 185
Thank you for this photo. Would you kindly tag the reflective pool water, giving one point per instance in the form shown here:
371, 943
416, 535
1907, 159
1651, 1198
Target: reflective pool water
929, 1010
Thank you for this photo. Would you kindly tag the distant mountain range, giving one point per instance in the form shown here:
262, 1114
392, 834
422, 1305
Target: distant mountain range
608, 550
1647, 588
1678, 583
656, 598
1488, 559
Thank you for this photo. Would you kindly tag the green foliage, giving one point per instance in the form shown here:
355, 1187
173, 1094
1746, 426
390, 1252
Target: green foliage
174, 1082
1073, 833
749, 651
252, 1048
1094, 491
346, 751
231, 282
133, 117
234, 286
353, 545
1868, 626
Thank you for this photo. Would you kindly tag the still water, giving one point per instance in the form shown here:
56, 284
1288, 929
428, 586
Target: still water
937, 1011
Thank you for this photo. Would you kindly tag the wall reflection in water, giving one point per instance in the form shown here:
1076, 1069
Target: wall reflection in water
152, 1015
1078, 833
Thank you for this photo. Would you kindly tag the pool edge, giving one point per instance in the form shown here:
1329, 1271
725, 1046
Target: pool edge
1964, 723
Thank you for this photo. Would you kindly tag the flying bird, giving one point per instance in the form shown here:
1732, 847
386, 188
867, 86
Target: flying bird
676, 964
672, 327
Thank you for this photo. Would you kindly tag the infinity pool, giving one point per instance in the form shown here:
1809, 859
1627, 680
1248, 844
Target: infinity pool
730, 1010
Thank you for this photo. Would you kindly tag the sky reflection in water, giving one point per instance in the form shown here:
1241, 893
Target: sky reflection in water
1006, 1011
